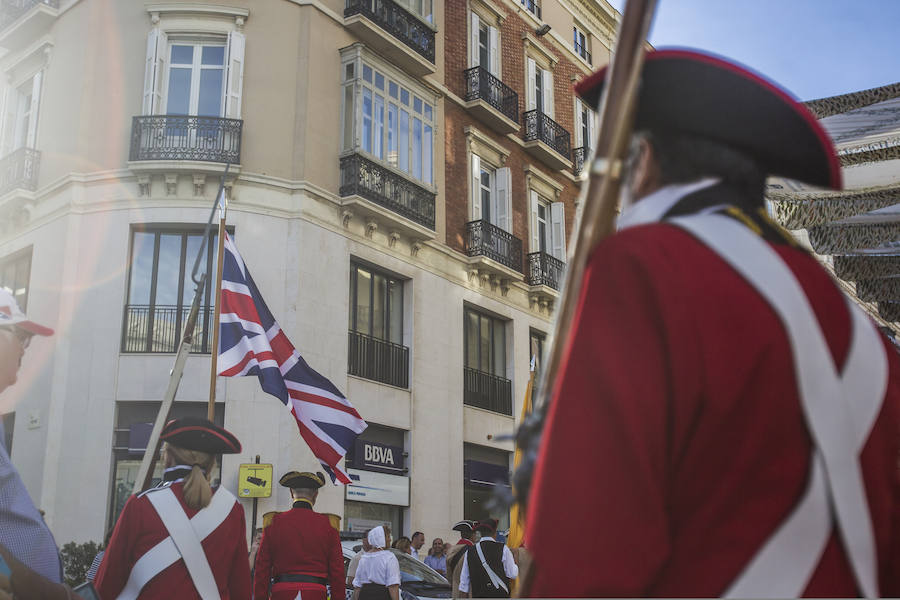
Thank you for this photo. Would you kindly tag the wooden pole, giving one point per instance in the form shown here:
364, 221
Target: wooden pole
214, 352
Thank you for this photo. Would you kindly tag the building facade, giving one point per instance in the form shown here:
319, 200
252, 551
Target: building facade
402, 176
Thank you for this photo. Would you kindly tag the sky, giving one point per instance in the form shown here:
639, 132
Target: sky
813, 48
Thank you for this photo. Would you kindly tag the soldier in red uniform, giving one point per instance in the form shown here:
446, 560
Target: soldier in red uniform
181, 539
300, 551
725, 421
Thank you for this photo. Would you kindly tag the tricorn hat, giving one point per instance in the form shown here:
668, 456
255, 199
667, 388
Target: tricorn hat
195, 433
295, 479
488, 525
683, 91
464, 526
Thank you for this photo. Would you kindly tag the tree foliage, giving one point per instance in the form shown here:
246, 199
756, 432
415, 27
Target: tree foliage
77, 559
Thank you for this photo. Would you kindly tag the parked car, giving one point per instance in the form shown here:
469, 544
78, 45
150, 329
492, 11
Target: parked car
417, 580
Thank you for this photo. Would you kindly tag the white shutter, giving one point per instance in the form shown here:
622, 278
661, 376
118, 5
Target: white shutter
535, 233
530, 91
494, 36
31, 134
548, 92
154, 71
591, 132
9, 118
558, 230
235, 76
475, 204
579, 125
503, 199
473, 37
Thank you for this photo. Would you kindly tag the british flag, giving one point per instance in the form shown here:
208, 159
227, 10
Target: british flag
252, 343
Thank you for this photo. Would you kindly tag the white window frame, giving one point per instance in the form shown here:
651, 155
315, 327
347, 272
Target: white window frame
197, 69
543, 189
581, 108
18, 107
480, 16
533, 69
581, 32
421, 9
484, 153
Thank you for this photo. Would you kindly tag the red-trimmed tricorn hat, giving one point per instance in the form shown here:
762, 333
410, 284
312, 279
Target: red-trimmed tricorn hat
487, 525
684, 91
195, 433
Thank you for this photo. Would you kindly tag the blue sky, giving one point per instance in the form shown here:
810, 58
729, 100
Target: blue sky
814, 48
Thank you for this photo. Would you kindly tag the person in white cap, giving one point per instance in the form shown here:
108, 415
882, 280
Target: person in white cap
378, 573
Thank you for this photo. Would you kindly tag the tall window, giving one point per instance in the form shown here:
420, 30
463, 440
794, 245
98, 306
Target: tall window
548, 226
536, 341
388, 120
22, 114
160, 289
539, 88
196, 83
581, 44
543, 220
532, 6
484, 45
15, 275
485, 342
490, 193
584, 124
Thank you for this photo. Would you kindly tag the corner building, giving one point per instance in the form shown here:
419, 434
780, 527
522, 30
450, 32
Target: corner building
402, 178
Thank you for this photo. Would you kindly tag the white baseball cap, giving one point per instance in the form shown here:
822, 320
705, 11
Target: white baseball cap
11, 314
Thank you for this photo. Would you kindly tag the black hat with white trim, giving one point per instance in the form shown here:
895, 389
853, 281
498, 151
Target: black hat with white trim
195, 433
464, 526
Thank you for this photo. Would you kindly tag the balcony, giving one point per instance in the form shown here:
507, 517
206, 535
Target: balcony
391, 30
24, 21
19, 171
490, 392
579, 157
167, 142
546, 140
157, 329
491, 101
495, 255
545, 270
378, 360
381, 194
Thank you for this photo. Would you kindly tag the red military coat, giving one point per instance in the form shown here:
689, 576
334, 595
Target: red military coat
300, 542
675, 444
139, 529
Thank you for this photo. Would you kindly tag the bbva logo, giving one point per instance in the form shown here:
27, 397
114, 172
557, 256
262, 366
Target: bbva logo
378, 454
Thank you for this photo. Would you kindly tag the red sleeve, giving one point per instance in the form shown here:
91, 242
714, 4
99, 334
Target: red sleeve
263, 567
602, 456
117, 558
239, 578
336, 575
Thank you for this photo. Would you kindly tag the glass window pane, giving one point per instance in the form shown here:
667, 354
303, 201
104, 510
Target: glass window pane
367, 73
378, 306
169, 269
210, 102
352, 325
427, 166
417, 104
367, 120
379, 80
404, 97
182, 55
403, 162
193, 247
141, 267
378, 131
417, 149
213, 55
395, 310
392, 134
472, 329
348, 71
348, 118
428, 112
499, 348
484, 341
179, 98
363, 307
392, 90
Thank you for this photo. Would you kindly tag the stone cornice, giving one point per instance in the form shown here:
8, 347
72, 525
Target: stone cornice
834, 105
798, 213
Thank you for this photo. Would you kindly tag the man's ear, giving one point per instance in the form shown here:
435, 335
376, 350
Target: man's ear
646, 175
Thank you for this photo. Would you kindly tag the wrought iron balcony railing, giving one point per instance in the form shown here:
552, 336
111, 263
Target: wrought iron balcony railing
481, 85
158, 328
486, 239
487, 391
378, 360
376, 183
10, 10
19, 170
176, 137
540, 127
397, 21
582, 51
579, 156
544, 269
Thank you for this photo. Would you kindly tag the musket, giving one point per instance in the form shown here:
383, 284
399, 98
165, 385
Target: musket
601, 193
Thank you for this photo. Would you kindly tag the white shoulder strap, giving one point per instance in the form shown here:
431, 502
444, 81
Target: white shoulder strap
495, 579
839, 410
166, 552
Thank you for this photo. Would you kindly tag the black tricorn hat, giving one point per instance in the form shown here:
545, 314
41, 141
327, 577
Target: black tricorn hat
464, 526
195, 433
295, 479
489, 525
684, 91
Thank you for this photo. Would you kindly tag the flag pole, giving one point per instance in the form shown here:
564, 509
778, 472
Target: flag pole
214, 352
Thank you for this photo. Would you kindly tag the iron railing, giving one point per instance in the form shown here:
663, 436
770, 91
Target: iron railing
174, 137
544, 269
10, 10
378, 360
540, 127
19, 170
481, 85
485, 239
376, 183
579, 156
582, 51
397, 21
487, 391
158, 328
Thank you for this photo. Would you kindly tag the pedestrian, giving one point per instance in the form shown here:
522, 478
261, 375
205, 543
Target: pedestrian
743, 414
435, 558
403, 545
181, 539
446, 550
378, 573
488, 566
300, 552
354, 562
254, 549
457, 553
417, 541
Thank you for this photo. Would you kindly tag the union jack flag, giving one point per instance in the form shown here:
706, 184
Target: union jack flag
252, 343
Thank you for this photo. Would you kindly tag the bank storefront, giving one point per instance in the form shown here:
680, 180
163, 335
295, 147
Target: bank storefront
379, 490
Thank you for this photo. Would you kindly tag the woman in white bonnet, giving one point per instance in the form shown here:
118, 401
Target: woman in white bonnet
378, 573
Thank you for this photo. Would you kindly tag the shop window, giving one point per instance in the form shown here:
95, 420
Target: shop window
484, 469
15, 276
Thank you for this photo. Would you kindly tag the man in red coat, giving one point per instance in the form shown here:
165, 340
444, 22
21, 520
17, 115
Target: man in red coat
725, 421
300, 551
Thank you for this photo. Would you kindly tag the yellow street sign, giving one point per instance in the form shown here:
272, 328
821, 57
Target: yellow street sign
255, 480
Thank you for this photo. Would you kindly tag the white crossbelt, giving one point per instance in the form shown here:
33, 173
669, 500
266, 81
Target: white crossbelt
495, 579
840, 411
184, 542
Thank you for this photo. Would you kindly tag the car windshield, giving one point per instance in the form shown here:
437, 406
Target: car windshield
413, 570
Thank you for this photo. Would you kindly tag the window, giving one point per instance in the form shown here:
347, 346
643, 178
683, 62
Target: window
490, 193
485, 45
22, 114
536, 341
15, 275
539, 88
160, 289
548, 226
532, 6
581, 43
421, 8
584, 125
485, 342
387, 119
484, 469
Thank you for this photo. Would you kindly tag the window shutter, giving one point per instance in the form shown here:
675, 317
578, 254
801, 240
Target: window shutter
154, 71
235, 76
591, 131
503, 199
475, 204
31, 134
473, 37
548, 92
9, 118
530, 91
558, 229
579, 125
535, 233
495, 51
